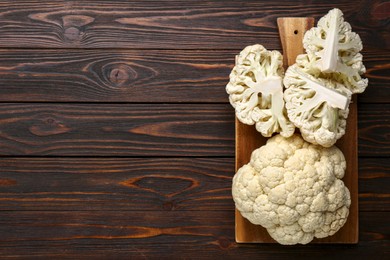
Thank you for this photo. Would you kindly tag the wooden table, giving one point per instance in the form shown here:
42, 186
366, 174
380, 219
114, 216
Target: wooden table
117, 140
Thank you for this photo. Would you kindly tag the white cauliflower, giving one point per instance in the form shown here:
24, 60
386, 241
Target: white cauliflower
336, 50
317, 106
294, 190
256, 92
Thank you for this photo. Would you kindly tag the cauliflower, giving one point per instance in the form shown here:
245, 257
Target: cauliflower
256, 92
320, 84
317, 106
294, 190
336, 50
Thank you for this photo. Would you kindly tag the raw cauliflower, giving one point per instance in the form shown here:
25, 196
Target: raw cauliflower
294, 190
256, 91
336, 49
317, 106
320, 84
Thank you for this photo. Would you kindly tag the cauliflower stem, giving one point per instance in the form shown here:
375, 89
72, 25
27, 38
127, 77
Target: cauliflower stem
330, 57
322, 94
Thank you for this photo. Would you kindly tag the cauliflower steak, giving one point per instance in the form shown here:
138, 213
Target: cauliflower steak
256, 91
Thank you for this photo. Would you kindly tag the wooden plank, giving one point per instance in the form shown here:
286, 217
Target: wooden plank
138, 234
146, 130
184, 24
374, 183
141, 75
114, 75
125, 249
171, 184
378, 74
374, 129
116, 130
247, 140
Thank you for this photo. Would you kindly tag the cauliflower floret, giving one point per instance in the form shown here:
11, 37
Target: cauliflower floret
317, 106
293, 189
256, 92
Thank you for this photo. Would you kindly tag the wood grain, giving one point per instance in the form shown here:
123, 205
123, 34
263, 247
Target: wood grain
291, 32
145, 130
169, 24
116, 130
114, 75
151, 179
378, 127
247, 140
141, 75
146, 184
137, 234
378, 74
376, 197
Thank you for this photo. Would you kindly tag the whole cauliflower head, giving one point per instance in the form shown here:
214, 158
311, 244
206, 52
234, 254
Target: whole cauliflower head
256, 91
294, 190
317, 106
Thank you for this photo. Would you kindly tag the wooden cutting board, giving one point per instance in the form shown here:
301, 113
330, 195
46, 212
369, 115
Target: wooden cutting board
291, 32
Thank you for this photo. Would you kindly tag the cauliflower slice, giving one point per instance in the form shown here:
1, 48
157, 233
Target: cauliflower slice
256, 92
298, 198
317, 106
336, 49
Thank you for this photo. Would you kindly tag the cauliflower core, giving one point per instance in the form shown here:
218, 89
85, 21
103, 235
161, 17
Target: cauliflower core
294, 190
317, 106
256, 91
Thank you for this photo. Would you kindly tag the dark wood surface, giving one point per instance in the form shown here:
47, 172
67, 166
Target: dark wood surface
148, 76
117, 139
173, 24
